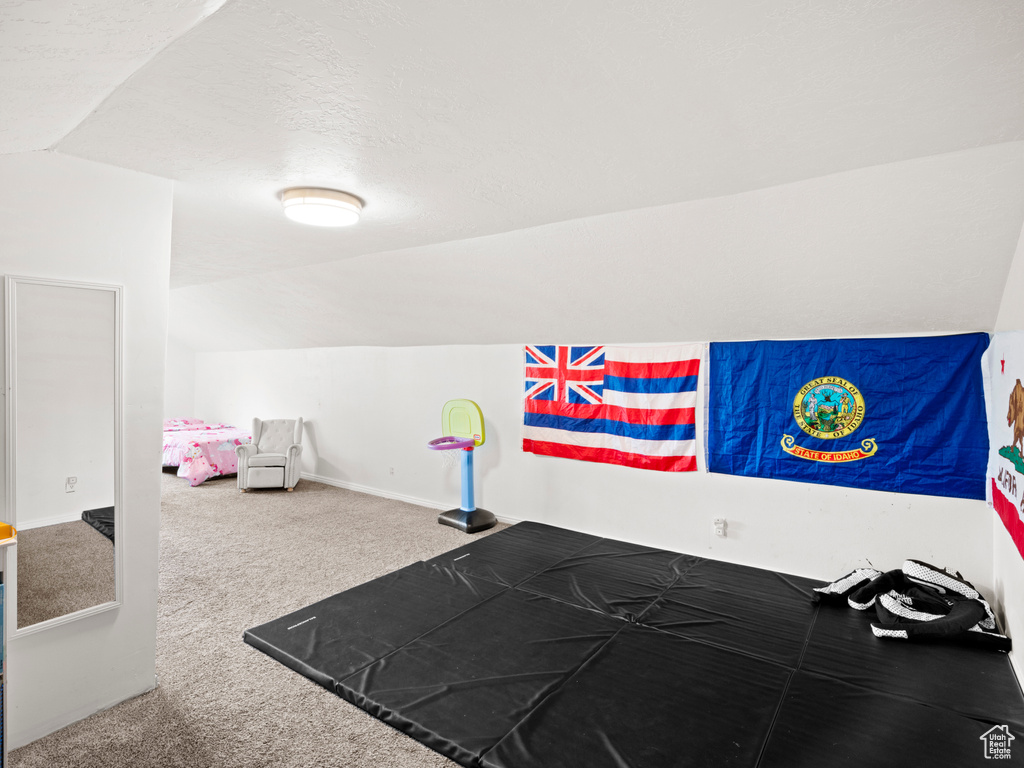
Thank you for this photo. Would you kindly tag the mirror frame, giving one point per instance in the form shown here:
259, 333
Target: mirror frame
11, 284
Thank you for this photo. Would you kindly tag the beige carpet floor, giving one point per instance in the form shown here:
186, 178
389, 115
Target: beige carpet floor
62, 568
230, 561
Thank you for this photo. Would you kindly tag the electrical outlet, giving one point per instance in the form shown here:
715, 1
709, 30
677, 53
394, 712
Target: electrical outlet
718, 526
391, 470
69, 484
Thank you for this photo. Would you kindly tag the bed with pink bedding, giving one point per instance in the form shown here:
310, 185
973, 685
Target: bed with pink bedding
201, 451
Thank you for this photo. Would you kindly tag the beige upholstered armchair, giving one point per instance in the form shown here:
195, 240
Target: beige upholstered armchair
272, 459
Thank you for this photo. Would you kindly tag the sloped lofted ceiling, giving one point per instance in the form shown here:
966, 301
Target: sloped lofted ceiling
60, 59
573, 169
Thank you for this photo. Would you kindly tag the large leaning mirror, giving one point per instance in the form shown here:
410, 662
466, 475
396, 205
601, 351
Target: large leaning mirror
63, 449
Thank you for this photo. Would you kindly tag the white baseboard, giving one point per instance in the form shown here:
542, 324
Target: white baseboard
391, 495
55, 520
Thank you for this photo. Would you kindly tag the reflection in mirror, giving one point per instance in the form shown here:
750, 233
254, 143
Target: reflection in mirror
63, 422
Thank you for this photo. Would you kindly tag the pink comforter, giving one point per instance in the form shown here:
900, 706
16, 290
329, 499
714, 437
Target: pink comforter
201, 451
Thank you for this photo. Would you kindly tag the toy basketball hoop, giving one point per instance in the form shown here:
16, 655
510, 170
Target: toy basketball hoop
446, 446
463, 425
450, 443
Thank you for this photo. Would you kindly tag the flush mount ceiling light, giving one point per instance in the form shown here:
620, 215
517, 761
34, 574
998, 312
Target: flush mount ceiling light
321, 207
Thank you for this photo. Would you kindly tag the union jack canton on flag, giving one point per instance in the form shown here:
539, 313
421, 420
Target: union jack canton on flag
632, 406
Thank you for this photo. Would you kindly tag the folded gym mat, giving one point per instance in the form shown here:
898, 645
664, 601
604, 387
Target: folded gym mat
102, 520
541, 646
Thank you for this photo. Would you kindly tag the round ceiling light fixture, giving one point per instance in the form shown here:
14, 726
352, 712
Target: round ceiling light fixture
321, 207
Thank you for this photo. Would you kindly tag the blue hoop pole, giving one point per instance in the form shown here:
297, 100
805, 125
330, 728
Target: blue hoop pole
467, 480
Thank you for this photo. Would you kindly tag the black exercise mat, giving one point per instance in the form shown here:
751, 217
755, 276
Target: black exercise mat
518, 553
537, 646
751, 610
333, 638
975, 682
826, 722
612, 577
463, 686
651, 699
102, 520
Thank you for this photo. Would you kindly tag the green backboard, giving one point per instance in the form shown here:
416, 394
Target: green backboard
463, 418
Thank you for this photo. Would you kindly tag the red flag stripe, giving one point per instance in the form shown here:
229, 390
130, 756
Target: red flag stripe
1008, 512
613, 412
652, 370
609, 456
573, 374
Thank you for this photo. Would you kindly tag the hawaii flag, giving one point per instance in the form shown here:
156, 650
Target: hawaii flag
1004, 369
614, 405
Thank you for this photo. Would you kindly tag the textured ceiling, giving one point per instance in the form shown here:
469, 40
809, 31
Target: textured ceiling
59, 59
462, 120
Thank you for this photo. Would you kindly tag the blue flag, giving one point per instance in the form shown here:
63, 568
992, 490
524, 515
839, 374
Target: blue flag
904, 415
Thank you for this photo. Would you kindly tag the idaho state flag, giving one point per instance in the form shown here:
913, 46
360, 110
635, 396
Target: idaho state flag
904, 415
615, 405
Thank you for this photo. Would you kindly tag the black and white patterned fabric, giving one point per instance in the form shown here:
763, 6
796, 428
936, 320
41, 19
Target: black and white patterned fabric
951, 583
840, 589
921, 602
863, 598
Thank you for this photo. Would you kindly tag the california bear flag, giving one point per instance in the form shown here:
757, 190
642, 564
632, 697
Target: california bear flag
1004, 392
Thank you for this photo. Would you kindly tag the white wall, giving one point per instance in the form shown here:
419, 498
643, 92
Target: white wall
65, 387
370, 409
180, 381
71, 219
1007, 563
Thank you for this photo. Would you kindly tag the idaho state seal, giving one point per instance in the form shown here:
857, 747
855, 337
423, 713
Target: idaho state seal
827, 408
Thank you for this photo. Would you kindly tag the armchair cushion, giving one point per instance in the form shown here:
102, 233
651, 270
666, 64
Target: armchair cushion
268, 460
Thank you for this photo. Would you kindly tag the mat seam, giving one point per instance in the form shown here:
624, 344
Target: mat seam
785, 690
557, 562
425, 632
907, 698
525, 578
675, 580
720, 647
569, 676
900, 696
461, 613
661, 630
654, 600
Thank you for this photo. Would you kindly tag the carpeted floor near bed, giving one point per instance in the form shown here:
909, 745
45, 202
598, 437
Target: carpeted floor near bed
230, 561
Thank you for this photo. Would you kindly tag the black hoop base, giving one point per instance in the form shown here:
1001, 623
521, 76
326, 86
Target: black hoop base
468, 522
